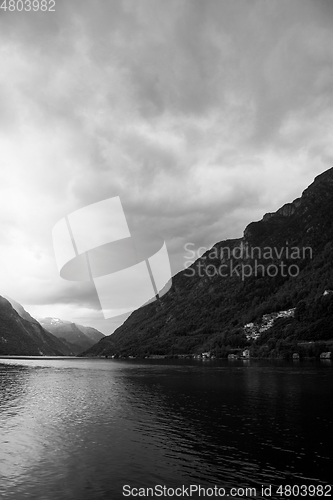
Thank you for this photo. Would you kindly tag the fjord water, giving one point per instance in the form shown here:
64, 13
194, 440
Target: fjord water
80, 429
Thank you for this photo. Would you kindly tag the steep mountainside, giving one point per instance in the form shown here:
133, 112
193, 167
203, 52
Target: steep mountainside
282, 262
77, 337
19, 336
20, 310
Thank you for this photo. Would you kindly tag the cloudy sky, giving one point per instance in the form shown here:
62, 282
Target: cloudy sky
201, 115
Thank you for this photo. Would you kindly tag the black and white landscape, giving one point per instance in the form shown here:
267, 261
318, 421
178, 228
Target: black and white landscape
25, 336
269, 292
211, 121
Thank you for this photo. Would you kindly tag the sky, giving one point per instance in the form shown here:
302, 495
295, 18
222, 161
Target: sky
201, 115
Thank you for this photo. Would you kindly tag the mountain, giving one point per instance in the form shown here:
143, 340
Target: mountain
20, 310
91, 333
20, 334
282, 263
77, 337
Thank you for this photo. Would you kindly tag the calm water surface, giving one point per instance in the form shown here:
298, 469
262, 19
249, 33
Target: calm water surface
78, 429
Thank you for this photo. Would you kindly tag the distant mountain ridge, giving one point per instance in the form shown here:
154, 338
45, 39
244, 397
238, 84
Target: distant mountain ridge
21, 334
207, 311
79, 337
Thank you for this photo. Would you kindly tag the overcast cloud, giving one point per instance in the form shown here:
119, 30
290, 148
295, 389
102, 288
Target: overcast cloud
201, 115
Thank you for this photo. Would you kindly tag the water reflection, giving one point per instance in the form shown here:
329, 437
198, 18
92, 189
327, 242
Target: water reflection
209, 413
80, 429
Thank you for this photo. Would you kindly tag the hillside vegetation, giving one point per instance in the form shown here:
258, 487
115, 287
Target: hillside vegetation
283, 262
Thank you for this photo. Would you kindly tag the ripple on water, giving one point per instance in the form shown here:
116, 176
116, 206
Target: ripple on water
75, 429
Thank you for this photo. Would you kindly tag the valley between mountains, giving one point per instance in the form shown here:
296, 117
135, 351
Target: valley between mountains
269, 293
23, 335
